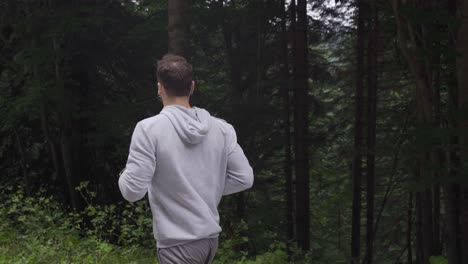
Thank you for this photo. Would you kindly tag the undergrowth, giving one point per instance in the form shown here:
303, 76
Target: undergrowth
37, 229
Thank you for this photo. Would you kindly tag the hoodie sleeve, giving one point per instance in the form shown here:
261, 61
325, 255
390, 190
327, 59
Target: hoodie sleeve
141, 164
239, 174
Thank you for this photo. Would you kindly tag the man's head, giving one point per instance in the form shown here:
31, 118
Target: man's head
174, 74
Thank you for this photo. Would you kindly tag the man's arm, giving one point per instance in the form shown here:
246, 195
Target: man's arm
239, 174
141, 163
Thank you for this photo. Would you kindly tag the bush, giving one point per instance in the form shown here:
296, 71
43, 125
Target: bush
126, 224
39, 230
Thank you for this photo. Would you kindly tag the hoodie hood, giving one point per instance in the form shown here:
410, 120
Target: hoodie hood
191, 124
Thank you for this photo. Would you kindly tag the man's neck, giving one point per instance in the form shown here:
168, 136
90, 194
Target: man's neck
181, 101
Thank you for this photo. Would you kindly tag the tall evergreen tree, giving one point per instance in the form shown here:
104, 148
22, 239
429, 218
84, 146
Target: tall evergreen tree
301, 124
372, 78
285, 83
358, 134
178, 26
462, 73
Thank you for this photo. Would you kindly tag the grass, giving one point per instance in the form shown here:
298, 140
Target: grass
37, 230
66, 247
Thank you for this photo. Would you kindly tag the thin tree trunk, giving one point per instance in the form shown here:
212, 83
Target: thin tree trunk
437, 244
437, 158
65, 131
454, 242
371, 127
428, 225
178, 26
23, 163
287, 126
230, 38
240, 205
235, 78
409, 223
67, 166
418, 234
340, 228
452, 189
49, 141
301, 112
358, 138
462, 74
260, 42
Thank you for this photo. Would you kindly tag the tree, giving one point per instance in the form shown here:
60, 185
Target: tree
358, 135
301, 123
462, 73
414, 42
372, 77
178, 26
287, 123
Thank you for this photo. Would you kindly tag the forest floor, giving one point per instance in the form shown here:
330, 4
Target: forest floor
61, 246
38, 230
64, 246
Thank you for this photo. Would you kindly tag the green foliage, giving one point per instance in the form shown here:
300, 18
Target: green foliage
438, 260
37, 230
234, 246
126, 224
275, 255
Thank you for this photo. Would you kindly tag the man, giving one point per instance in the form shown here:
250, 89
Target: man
186, 160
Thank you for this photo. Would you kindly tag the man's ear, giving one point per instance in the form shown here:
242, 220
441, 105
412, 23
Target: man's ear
161, 89
192, 89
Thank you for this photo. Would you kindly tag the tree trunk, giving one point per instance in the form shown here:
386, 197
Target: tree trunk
178, 26
260, 46
418, 234
437, 157
67, 166
43, 113
409, 223
286, 126
372, 77
413, 42
48, 140
358, 137
452, 189
230, 40
240, 205
23, 163
462, 73
427, 224
301, 119
235, 78
65, 145
454, 242
437, 243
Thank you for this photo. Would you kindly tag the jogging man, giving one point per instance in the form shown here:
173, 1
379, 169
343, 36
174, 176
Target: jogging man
186, 160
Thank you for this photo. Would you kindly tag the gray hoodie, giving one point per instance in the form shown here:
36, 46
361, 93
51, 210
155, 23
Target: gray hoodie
186, 160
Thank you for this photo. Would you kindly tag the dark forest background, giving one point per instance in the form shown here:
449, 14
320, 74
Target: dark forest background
353, 114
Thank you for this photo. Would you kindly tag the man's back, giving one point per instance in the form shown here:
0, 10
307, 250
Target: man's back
196, 161
186, 160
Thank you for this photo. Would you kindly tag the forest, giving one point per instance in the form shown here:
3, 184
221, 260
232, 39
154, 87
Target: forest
352, 113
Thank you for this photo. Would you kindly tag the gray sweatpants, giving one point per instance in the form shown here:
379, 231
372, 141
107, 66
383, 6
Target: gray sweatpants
197, 252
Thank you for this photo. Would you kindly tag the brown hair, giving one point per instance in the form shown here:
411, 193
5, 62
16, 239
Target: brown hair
175, 73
